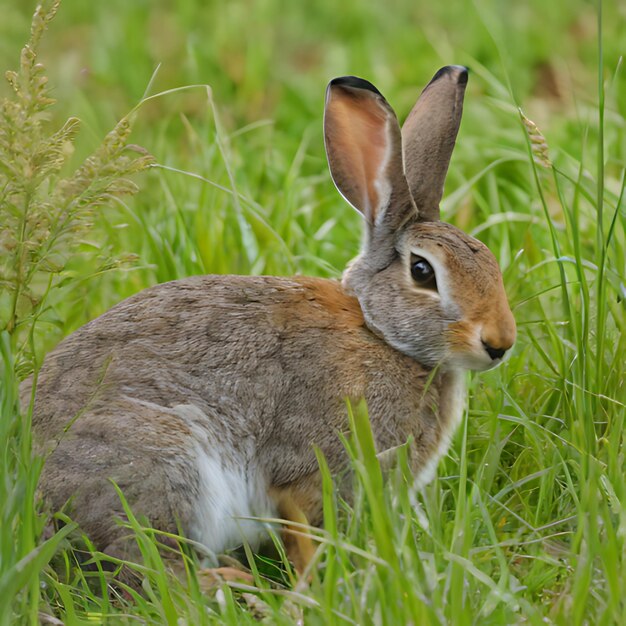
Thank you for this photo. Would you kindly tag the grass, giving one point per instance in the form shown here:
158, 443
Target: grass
526, 521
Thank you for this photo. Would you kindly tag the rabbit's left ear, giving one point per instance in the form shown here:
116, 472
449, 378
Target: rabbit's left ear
364, 149
428, 136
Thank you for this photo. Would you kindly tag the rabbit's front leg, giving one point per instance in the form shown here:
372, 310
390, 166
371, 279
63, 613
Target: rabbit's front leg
300, 504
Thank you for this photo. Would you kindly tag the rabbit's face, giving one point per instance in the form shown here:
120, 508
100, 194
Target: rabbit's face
428, 289
441, 300
466, 283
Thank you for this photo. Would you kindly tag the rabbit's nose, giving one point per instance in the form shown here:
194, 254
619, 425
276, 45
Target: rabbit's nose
498, 332
494, 353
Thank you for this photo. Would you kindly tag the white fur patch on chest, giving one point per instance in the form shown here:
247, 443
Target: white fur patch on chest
451, 407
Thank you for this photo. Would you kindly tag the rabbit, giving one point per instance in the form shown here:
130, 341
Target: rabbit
203, 398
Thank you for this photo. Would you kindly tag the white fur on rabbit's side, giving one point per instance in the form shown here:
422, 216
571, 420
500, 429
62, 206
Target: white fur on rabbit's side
227, 493
204, 398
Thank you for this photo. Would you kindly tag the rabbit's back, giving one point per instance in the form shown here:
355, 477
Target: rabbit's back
261, 353
218, 382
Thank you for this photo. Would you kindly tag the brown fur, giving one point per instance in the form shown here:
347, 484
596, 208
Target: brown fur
299, 502
345, 309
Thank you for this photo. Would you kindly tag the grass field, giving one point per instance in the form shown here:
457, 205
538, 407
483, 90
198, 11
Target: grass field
526, 521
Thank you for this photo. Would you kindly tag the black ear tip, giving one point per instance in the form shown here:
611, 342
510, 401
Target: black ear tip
459, 73
354, 82
463, 74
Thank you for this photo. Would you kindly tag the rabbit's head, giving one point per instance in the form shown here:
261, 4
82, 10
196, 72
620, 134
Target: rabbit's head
430, 290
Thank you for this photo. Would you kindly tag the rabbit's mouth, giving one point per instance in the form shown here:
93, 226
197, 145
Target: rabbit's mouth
476, 360
473, 360
469, 350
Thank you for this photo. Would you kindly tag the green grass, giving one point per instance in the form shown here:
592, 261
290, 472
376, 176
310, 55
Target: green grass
526, 520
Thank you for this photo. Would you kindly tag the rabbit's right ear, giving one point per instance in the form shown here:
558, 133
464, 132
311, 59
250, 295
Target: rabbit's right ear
364, 149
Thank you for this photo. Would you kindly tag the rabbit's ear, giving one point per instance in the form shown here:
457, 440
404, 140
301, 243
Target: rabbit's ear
428, 137
364, 149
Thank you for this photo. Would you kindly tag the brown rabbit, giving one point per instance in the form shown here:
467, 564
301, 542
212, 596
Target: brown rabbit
203, 398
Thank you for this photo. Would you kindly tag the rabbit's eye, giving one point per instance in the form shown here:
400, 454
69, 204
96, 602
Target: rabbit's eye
423, 273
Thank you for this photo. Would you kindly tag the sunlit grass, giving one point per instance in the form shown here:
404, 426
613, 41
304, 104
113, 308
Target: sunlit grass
527, 517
